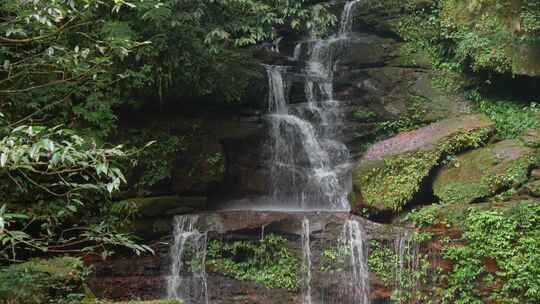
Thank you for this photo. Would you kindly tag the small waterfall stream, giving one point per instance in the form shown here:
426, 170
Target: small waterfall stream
187, 280
406, 250
355, 241
306, 262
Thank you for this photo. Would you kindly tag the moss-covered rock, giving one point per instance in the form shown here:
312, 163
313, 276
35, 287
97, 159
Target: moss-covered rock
153, 215
392, 171
39, 281
484, 172
167, 205
534, 188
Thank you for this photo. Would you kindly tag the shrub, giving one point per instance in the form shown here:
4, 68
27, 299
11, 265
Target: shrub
57, 280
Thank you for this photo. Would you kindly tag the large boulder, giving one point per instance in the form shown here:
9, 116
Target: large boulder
533, 188
153, 214
483, 172
391, 172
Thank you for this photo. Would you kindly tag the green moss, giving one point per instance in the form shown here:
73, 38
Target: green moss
268, 262
425, 216
463, 192
534, 188
480, 178
393, 182
516, 174
364, 116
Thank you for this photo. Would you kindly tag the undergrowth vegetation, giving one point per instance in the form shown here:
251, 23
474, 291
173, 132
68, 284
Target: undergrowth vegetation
496, 258
267, 261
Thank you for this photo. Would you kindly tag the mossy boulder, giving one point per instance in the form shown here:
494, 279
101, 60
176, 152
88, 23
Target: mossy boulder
43, 281
533, 188
531, 137
153, 215
391, 172
484, 172
166, 205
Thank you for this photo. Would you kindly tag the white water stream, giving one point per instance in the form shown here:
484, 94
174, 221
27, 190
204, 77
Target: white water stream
187, 280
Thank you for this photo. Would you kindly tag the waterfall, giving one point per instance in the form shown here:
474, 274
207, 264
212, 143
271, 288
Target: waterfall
301, 169
277, 102
306, 262
406, 250
187, 280
354, 240
307, 164
347, 17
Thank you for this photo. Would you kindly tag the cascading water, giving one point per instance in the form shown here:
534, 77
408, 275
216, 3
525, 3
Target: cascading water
306, 262
307, 164
187, 280
354, 241
406, 250
347, 17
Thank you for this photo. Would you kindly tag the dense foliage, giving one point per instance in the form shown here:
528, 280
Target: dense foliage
479, 35
67, 66
74, 62
58, 280
496, 256
510, 238
268, 262
50, 177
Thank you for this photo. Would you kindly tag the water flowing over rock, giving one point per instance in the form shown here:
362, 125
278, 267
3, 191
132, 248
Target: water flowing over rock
347, 17
407, 253
306, 262
187, 280
354, 240
308, 166
332, 250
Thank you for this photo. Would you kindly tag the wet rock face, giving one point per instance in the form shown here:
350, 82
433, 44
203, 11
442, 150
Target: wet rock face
379, 83
332, 277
